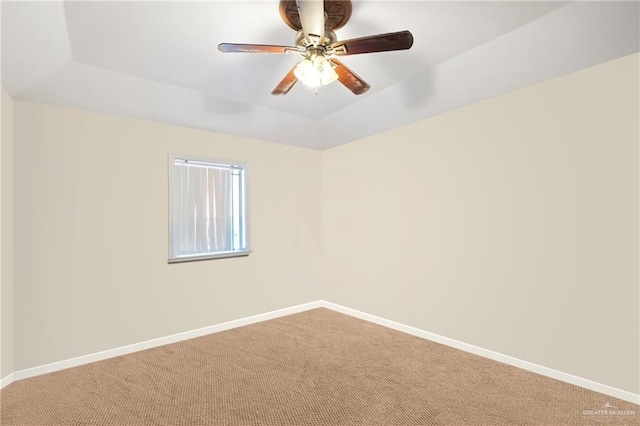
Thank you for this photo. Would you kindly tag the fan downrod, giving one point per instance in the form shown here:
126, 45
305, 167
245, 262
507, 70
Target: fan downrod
337, 13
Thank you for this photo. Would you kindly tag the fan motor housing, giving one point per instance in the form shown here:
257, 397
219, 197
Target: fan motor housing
329, 38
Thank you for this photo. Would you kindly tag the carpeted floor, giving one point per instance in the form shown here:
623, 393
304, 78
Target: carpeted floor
318, 367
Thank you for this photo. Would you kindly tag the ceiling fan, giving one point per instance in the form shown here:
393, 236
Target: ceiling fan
315, 22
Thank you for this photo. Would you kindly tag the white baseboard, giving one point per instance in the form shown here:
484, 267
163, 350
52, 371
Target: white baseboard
486, 353
124, 350
6, 381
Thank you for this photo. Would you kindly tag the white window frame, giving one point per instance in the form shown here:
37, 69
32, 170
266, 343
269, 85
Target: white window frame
244, 207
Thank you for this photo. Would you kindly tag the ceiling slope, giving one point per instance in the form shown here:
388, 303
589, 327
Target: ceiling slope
158, 61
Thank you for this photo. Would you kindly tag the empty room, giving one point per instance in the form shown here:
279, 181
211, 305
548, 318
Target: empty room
281, 212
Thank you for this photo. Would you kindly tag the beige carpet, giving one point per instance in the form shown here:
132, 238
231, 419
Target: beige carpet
318, 367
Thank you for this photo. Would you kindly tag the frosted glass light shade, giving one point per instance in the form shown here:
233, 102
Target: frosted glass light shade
315, 72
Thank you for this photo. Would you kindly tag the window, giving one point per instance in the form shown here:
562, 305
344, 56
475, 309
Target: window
207, 210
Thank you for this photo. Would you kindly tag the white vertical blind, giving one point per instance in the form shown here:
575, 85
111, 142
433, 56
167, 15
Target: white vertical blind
205, 208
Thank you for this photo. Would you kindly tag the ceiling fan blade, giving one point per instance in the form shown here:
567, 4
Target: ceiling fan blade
378, 43
286, 84
311, 14
349, 78
255, 48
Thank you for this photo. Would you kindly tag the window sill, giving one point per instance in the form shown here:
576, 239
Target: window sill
210, 256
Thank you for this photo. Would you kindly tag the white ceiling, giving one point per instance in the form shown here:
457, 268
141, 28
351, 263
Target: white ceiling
158, 60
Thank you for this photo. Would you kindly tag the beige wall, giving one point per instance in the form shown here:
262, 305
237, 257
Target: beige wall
91, 268
511, 224
6, 235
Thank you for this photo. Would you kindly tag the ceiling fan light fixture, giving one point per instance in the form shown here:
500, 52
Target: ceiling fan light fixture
315, 71
315, 22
